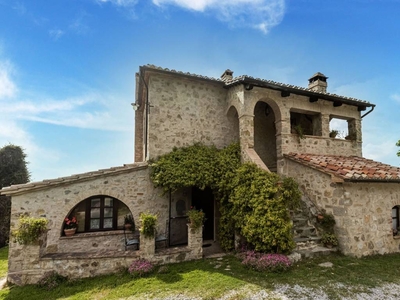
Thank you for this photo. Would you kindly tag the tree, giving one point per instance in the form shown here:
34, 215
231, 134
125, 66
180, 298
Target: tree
13, 170
398, 145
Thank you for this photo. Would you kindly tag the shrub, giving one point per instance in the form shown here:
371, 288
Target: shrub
196, 218
149, 222
51, 280
140, 268
329, 239
327, 222
266, 262
29, 229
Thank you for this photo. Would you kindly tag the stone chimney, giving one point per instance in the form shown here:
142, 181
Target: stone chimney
227, 75
317, 83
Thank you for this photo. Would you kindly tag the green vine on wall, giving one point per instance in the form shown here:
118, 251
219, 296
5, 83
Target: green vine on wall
253, 202
29, 229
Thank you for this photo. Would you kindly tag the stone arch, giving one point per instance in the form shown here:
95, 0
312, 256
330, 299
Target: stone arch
120, 209
77, 198
267, 128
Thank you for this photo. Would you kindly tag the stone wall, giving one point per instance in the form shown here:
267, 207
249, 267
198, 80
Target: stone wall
286, 142
362, 210
91, 253
184, 111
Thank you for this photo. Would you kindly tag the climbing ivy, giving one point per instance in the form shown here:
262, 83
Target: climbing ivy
253, 202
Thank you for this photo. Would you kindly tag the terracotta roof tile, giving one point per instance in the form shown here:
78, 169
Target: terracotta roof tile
349, 168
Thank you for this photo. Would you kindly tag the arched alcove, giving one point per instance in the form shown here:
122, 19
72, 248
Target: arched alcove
265, 134
233, 118
99, 213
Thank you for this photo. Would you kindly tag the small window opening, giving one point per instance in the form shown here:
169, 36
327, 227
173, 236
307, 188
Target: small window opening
338, 128
396, 221
307, 123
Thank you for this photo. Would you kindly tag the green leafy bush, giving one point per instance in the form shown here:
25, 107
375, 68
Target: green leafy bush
149, 222
252, 201
196, 218
259, 210
29, 229
329, 239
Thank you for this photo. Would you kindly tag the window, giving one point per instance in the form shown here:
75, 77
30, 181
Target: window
100, 213
395, 220
308, 122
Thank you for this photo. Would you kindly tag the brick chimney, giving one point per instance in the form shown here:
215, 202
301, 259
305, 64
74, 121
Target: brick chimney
317, 83
227, 75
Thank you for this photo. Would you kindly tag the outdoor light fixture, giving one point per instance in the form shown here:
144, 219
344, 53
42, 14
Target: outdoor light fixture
135, 106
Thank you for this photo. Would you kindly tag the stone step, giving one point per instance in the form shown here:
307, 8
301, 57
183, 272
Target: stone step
300, 222
315, 239
307, 243
316, 251
305, 231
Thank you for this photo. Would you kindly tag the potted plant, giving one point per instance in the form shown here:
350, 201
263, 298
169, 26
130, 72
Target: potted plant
196, 218
148, 222
329, 240
129, 222
300, 131
70, 226
333, 133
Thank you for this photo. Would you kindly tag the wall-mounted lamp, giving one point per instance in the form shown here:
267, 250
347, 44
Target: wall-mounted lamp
135, 106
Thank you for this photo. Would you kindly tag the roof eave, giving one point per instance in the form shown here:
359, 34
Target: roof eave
302, 92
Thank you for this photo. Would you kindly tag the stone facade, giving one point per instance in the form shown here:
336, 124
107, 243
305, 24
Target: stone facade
91, 253
362, 210
175, 109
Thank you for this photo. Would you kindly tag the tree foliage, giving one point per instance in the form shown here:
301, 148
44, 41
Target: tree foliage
13, 166
398, 145
253, 202
13, 170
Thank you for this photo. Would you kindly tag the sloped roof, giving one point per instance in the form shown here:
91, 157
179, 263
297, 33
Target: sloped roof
348, 168
268, 84
71, 179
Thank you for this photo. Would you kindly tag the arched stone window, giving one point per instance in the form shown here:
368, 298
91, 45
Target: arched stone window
99, 213
396, 220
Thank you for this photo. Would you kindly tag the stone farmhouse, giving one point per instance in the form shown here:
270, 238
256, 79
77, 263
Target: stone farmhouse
282, 128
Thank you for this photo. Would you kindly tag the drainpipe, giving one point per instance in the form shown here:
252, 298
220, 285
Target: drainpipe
146, 129
367, 113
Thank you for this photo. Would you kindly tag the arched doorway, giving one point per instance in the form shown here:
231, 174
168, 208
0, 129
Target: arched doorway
265, 135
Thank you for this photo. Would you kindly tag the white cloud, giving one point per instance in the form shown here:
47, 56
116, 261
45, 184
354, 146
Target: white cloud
7, 86
123, 3
258, 14
395, 97
55, 34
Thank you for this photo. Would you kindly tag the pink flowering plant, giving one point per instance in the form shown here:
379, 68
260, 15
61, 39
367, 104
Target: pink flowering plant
70, 223
265, 262
140, 268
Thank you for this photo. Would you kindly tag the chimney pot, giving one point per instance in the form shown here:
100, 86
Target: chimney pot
318, 83
227, 75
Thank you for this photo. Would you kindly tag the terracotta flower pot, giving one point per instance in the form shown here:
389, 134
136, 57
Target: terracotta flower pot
69, 232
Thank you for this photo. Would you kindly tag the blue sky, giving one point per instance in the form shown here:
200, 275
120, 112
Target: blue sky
67, 67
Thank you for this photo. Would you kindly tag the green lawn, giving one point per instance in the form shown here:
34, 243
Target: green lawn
212, 278
3, 261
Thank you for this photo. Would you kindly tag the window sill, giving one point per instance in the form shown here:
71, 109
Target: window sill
396, 237
93, 234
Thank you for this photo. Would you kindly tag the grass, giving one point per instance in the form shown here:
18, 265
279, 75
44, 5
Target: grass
212, 278
3, 261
